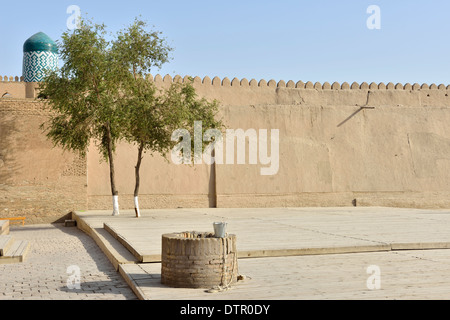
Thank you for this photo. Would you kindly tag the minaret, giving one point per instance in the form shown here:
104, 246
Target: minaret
40, 53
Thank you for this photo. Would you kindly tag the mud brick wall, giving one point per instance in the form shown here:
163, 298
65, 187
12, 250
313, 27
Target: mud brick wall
37, 181
369, 144
340, 144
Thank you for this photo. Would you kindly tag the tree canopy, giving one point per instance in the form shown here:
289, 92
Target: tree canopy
101, 94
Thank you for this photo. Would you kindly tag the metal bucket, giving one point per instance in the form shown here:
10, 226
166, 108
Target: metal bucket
220, 229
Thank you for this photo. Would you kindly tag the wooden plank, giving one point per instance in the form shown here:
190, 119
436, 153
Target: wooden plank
4, 227
10, 260
6, 242
4, 224
16, 253
11, 252
23, 250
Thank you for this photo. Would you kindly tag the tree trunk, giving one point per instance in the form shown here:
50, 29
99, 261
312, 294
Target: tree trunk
137, 184
115, 193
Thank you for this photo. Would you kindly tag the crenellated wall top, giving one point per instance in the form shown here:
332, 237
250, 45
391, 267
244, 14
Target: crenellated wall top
235, 82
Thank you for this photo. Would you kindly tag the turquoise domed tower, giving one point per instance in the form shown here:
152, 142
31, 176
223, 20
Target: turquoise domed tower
40, 53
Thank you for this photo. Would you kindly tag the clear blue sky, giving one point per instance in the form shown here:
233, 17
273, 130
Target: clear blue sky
281, 40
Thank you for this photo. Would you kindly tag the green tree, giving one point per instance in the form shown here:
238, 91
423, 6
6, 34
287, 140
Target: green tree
153, 114
101, 94
83, 96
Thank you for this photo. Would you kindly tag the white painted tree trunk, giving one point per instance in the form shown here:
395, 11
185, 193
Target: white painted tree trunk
136, 207
115, 206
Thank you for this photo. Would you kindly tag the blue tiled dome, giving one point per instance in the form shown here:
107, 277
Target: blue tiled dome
40, 42
40, 54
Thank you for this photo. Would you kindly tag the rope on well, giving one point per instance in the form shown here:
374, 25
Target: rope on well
226, 286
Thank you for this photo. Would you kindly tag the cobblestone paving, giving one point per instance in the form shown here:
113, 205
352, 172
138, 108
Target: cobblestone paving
50, 271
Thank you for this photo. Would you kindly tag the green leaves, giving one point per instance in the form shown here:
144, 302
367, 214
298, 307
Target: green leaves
138, 50
83, 94
101, 94
153, 114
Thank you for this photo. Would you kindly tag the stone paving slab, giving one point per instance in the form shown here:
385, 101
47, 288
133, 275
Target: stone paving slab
306, 240
404, 275
284, 231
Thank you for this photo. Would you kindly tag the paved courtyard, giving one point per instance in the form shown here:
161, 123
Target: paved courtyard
332, 253
395, 275
50, 270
